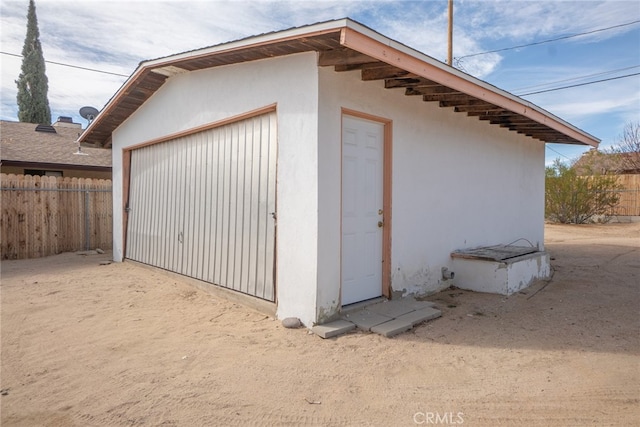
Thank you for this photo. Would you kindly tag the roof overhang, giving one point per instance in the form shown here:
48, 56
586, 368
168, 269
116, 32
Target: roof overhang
347, 45
43, 165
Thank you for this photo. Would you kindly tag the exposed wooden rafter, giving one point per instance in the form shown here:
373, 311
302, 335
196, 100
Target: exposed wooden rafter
493, 114
431, 91
343, 56
409, 82
454, 98
383, 72
465, 108
346, 47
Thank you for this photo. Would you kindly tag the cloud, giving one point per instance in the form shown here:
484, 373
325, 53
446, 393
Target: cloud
492, 25
576, 107
117, 35
618, 97
516, 21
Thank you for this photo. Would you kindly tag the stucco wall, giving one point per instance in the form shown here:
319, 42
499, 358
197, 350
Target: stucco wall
457, 182
202, 97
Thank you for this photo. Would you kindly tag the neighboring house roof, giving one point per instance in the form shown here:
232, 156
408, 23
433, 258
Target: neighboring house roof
595, 162
22, 145
347, 45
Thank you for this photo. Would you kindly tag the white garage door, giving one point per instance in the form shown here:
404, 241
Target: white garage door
203, 205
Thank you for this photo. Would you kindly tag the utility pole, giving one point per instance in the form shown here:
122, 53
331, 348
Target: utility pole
450, 50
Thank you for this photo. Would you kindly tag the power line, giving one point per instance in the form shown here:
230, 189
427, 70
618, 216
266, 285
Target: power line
550, 40
557, 152
580, 84
71, 66
577, 78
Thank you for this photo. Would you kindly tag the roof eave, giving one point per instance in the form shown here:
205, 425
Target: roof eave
356, 37
55, 165
371, 43
256, 41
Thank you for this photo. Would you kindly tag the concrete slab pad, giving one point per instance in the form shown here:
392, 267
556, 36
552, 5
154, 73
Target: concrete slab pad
418, 305
392, 328
405, 322
360, 305
392, 309
332, 329
365, 319
419, 316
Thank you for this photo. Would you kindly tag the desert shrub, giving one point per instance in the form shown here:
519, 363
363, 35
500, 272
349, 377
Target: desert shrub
574, 199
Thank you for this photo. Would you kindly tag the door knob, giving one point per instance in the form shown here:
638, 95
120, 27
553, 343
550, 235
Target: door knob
380, 224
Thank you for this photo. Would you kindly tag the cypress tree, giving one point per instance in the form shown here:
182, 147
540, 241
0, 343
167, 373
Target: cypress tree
33, 85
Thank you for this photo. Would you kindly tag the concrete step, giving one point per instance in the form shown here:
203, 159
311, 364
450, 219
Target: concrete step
333, 329
387, 318
365, 319
405, 322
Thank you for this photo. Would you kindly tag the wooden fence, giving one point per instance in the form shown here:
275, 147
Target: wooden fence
629, 204
48, 215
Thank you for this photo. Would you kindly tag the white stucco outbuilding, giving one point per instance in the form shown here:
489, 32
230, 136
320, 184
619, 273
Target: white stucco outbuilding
325, 165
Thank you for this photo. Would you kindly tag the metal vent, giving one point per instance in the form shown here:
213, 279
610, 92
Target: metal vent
46, 129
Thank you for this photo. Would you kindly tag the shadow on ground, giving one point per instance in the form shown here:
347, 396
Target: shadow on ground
590, 304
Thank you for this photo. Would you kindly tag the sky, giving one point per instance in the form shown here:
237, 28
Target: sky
113, 37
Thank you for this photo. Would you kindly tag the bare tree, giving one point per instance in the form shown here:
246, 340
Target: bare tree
628, 148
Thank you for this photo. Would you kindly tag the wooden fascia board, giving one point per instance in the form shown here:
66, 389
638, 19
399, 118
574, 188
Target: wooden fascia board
396, 56
252, 43
66, 166
124, 90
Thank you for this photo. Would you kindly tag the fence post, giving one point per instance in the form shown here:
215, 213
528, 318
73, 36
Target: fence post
87, 227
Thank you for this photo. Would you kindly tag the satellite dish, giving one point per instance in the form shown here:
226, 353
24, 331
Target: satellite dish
89, 113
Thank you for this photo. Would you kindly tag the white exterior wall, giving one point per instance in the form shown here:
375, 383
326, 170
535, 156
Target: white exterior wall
198, 98
457, 182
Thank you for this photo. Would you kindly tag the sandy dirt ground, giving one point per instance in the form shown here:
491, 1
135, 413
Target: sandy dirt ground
85, 344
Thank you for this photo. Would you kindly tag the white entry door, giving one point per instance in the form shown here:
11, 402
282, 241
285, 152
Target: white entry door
362, 215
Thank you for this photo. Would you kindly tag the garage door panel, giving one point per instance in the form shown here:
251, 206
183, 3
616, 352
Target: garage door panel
190, 208
196, 204
171, 188
201, 205
207, 224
